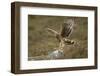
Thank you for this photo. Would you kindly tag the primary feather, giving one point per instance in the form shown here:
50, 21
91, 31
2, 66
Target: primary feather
67, 28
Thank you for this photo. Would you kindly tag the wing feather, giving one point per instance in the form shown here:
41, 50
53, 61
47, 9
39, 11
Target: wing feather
66, 29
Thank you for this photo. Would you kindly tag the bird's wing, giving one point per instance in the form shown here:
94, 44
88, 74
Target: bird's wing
66, 29
52, 31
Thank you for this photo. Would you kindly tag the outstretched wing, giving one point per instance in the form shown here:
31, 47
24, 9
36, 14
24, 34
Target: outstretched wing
67, 28
52, 31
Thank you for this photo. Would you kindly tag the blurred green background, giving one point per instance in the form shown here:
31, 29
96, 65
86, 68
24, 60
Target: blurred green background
40, 41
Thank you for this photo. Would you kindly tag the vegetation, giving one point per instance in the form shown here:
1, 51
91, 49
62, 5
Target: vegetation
41, 42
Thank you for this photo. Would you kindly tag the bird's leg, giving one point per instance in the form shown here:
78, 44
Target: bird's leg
61, 45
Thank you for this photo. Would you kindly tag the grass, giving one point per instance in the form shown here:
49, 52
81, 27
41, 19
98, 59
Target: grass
40, 41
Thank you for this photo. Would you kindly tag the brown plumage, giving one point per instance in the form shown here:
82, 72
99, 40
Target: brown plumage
62, 37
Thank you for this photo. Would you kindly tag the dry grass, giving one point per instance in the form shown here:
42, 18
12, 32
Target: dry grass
41, 42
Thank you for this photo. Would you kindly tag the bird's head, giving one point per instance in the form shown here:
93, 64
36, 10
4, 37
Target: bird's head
69, 22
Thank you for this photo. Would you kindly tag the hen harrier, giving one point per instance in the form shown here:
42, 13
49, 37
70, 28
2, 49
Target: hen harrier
62, 36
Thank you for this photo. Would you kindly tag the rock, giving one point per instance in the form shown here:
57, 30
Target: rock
56, 54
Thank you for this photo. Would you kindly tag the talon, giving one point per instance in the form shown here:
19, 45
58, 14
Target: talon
69, 41
72, 42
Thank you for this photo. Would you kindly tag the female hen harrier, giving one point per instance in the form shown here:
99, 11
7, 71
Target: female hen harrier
62, 37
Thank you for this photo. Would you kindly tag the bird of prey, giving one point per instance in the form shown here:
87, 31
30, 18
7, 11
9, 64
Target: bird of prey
62, 36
